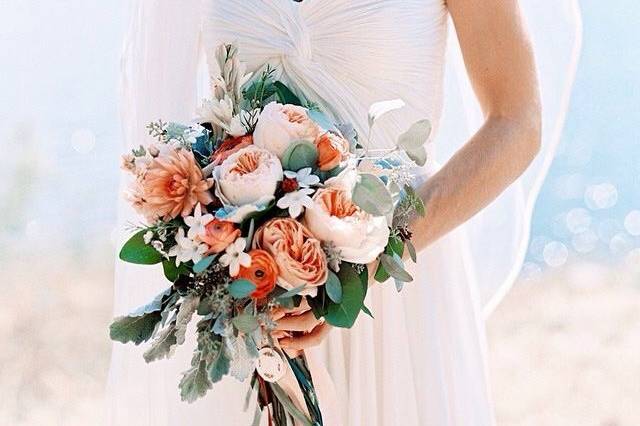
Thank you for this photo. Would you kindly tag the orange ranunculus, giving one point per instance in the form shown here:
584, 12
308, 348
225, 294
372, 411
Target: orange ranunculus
219, 234
172, 185
263, 272
297, 253
332, 149
228, 147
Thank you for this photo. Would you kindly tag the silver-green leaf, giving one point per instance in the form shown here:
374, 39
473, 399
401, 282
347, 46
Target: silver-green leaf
241, 288
333, 287
245, 323
417, 135
372, 196
394, 267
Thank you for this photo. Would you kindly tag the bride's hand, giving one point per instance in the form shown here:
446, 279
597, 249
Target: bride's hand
298, 329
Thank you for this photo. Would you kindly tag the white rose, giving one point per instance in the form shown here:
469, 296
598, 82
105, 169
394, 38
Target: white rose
358, 236
248, 176
280, 125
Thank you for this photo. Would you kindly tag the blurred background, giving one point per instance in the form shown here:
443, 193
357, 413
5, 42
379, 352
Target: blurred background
564, 345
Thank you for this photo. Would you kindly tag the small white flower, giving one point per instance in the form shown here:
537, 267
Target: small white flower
304, 177
197, 222
234, 257
186, 249
147, 237
296, 201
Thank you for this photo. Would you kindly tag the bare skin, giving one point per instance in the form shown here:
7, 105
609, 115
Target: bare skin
499, 60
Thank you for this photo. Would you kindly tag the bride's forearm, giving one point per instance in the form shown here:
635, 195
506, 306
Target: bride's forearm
496, 155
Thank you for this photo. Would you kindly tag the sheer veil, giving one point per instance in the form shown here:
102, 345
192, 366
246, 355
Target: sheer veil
162, 70
499, 235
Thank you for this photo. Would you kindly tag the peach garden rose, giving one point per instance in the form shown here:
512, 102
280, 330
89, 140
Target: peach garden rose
358, 236
297, 253
280, 125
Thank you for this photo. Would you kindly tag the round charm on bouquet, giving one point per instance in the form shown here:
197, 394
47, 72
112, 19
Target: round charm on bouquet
270, 365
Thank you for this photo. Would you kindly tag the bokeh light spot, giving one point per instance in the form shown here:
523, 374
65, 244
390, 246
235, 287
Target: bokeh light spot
555, 254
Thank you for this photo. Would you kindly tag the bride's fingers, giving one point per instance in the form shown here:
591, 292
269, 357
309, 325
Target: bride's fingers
308, 340
304, 322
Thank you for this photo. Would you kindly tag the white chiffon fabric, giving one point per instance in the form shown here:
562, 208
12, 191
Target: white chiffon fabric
421, 361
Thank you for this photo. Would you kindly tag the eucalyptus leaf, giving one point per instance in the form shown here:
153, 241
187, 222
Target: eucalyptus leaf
300, 155
399, 285
345, 313
292, 292
219, 366
245, 323
241, 288
333, 286
135, 250
394, 267
417, 135
378, 109
412, 250
322, 120
418, 155
371, 194
204, 264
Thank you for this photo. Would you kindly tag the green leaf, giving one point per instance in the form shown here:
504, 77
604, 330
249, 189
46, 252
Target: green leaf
394, 267
136, 251
204, 264
285, 95
195, 382
367, 311
416, 201
251, 231
381, 274
172, 272
299, 155
219, 366
333, 287
399, 285
417, 135
412, 250
162, 346
396, 246
318, 304
284, 399
344, 314
245, 323
371, 194
136, 329
241, 288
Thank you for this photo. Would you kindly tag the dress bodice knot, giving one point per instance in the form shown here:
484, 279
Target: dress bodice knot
344, 54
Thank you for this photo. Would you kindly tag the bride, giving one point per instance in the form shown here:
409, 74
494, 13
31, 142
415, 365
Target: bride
422, 360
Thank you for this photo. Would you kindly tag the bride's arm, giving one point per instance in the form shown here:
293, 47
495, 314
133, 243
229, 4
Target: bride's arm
500, 63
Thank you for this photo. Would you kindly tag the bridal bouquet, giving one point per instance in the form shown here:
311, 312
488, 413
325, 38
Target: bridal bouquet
266, 203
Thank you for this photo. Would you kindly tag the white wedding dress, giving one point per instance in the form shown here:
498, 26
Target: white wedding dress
421, 361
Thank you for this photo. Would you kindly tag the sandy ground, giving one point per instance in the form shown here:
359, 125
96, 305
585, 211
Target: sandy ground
564, 348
